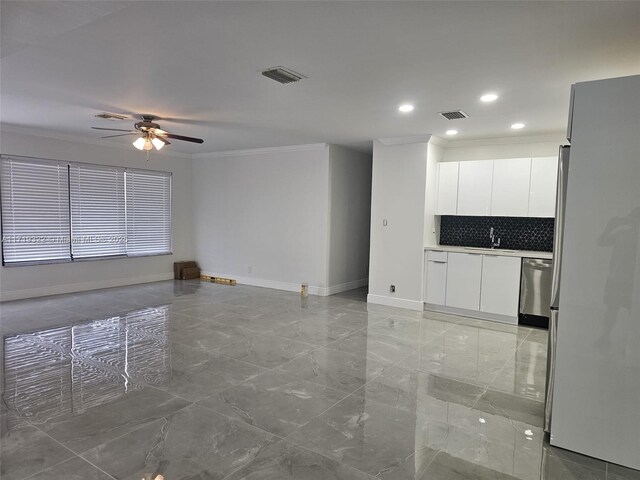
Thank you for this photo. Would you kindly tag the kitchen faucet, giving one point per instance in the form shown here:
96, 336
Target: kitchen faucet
492, 237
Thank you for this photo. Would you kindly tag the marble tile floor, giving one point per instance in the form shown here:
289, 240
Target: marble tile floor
198, 381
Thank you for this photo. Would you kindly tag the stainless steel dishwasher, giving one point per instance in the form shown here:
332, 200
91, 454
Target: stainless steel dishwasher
535, 292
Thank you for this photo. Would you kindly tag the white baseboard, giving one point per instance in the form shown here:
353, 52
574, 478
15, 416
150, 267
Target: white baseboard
463, 312
275, 284
344, 287
395, 302
81, 287
292, 287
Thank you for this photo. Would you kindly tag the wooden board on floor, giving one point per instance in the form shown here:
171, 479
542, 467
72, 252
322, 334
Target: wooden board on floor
220, 280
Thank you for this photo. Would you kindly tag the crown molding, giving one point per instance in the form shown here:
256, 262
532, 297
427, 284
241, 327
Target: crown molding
405, 140
261, 151
34, 132
441, 142
510, 140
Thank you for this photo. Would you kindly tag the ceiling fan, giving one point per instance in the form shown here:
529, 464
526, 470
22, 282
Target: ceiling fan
150, 134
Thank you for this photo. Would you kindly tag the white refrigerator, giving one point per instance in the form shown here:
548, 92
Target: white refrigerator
596, 357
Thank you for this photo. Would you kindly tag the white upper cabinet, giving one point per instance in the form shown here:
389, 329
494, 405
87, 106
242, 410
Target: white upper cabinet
447, 188
510, 191
542, 190
500, 285
474, 187
514, 187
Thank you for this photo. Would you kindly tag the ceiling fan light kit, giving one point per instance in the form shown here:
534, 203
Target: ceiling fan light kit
151, 135
139, 143
157, 143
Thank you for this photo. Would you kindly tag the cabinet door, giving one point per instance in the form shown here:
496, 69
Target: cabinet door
436, 284
464, 273
510, 191
447, 188
500, 285
542, 191
474, 187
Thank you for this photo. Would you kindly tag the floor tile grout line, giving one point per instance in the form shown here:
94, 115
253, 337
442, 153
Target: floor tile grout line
229, 417
507, 363
294, 445
275, 369
74, 454
50, 467
318, 452
144, 424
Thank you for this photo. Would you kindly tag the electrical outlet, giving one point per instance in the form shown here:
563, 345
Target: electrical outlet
392, 288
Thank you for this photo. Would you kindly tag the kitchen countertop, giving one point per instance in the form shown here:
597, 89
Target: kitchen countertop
490, 251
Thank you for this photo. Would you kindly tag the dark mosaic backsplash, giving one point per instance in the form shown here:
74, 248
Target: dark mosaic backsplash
516, 233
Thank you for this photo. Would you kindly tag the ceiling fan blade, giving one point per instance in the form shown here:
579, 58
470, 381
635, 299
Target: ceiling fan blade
120, 135
183, 138
114, 129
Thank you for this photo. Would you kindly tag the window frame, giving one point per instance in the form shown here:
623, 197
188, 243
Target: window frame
30, 263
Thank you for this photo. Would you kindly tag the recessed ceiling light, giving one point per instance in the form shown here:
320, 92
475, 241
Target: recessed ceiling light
406, 108
488, 97
452, 132
517, 126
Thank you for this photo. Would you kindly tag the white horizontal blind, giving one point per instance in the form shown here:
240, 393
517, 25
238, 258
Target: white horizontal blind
98, 226
148, 196
35, 210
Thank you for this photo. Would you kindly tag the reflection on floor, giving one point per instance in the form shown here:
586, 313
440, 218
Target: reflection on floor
204, 381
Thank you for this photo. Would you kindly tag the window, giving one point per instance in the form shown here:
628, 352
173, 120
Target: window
35, 210
55, 211
148, 212
98, 226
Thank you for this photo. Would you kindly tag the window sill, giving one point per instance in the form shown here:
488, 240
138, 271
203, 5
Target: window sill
80, 260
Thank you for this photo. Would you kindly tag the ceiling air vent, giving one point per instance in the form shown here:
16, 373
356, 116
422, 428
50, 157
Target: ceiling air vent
282, 75
453, 115
111, 116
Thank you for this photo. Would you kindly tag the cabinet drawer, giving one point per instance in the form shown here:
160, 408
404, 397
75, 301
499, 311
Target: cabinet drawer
436, 256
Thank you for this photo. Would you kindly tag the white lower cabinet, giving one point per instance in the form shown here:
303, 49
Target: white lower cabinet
464, 276
436, 278
483, 283
500, 290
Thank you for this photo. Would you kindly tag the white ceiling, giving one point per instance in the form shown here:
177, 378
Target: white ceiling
63, 62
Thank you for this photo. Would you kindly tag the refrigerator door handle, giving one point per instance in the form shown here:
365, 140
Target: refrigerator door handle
561, 196
551, 369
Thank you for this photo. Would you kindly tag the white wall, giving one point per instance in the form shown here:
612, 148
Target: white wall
398, 195
350, 215
435, 154
261, 216
504, 147
33, 281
